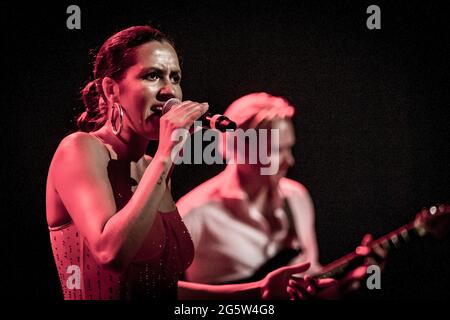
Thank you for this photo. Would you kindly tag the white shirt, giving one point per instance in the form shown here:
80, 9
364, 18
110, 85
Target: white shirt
232, 239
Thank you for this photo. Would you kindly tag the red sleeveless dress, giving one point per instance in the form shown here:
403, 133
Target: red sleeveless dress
154, 272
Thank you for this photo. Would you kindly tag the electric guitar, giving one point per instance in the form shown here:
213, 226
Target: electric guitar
434, 221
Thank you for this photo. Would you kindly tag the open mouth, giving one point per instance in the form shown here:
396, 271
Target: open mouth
156, 109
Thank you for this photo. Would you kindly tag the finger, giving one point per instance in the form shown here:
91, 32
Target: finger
179, 109
290, 292
380, 252
327, 282
203, 107
311, 289
298, 282
356, 275
189, 117
311, 286
182, 105
193, 114
295, 294
300, 289
366, 239
375, 254
194, 106
186, 109
362, 251
297, 268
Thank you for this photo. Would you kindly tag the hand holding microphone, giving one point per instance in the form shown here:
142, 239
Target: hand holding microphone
217, 121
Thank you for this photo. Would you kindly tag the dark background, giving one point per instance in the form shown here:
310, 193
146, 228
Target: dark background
372, 120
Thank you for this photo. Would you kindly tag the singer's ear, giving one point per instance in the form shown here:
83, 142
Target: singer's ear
110, 89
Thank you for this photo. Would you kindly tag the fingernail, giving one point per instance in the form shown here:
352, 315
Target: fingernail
361, 250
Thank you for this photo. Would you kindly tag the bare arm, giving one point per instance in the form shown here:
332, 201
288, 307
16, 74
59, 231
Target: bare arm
278, 284
304, 218
198, 291
81, 180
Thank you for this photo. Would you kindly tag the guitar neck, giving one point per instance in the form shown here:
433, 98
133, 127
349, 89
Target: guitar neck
392, 240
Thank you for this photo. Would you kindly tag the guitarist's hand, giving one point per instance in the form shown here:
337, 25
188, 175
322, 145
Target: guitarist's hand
353, 279
374, 254
286, 283
351, 282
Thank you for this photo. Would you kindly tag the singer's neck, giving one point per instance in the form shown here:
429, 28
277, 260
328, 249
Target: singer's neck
128, 146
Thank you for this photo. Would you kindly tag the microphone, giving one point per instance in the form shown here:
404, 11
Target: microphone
216, 121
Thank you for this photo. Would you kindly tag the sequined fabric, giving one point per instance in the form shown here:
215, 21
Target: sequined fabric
153, 274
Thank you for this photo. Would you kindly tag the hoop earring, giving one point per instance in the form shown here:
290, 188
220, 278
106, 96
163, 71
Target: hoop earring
119, 108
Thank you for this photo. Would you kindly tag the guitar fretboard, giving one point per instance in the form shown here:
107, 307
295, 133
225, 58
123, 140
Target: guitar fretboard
392, 240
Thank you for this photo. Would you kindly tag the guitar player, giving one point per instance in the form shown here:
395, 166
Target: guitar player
245, 224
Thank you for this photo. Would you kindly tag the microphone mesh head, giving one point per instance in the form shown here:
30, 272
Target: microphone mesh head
169, 104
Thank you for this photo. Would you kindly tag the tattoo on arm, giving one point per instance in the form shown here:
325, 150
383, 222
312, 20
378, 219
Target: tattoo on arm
160, 180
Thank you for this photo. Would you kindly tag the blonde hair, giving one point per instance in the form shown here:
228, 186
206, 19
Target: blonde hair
254, 111
251, 110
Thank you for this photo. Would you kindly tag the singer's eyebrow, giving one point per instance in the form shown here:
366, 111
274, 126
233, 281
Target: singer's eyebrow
160, 71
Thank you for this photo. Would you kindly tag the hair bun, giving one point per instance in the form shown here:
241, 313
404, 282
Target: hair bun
90, 96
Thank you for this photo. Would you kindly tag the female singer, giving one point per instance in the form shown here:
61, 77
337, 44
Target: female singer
114, 228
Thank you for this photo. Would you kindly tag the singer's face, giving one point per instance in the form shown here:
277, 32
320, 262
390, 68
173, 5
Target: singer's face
153, 79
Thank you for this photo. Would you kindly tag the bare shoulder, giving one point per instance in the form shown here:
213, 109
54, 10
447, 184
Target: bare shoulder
79, 156
81, 145
289, 187
79, 152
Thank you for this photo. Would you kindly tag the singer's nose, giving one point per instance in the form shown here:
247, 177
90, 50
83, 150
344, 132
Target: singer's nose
165, 93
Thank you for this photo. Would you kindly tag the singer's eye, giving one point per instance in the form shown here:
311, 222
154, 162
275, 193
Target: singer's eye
176, 79
152, 76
